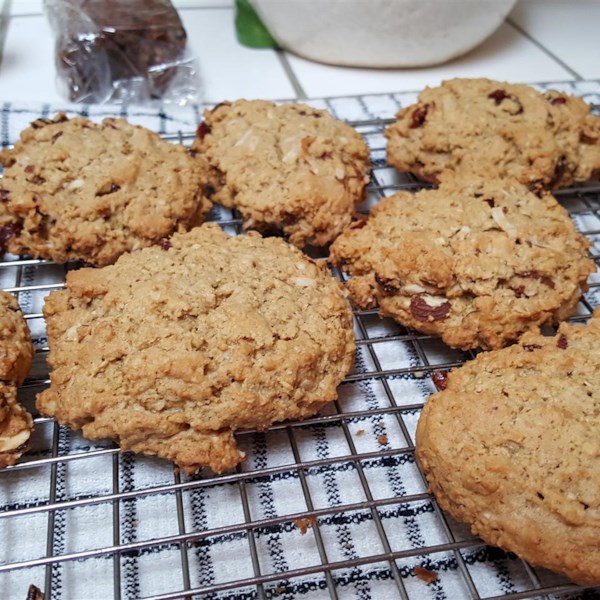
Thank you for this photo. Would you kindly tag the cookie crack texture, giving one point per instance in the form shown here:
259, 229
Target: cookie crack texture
212, 335
510, 446
288, 168
478, 263
96, 191
16, 354
496, 129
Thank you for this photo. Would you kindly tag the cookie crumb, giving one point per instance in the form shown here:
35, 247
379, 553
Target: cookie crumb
360, 432
425, 574
34, 593
303, 523
382, 439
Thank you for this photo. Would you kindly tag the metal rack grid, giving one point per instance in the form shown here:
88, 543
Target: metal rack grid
373, 434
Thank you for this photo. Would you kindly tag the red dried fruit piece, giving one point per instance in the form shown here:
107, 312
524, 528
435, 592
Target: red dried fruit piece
7, 231
422, 311
418, 115
498, 96
587, 139
202, 130
440, 379
491, 202
37, 180
559, 171
4, 194
562, 342
558, 100
165, 244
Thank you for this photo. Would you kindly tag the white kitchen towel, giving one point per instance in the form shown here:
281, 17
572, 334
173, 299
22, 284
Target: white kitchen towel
334, 507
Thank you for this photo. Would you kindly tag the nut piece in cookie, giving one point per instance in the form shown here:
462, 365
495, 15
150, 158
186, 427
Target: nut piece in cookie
477, 263
172, 350
16, 354
496, 129
288, 168
77, 190
511, 447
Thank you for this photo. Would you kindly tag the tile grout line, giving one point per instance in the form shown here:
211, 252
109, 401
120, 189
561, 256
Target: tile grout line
545, 50
298, 89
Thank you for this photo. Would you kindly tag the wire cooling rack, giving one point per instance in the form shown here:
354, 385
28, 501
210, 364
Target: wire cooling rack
331, 507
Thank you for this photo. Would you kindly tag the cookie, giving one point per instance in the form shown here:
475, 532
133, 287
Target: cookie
173, 349
16, 425
16, 354
510, 447
477, 263
286, 168
77, 190
498, 130
16, 348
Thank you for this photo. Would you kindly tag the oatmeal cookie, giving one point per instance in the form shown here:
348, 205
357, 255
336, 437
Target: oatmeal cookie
16, 348
74, 189
173, 349
477, 263
511, 447
498, 130
16, 426
288, 168
16, 354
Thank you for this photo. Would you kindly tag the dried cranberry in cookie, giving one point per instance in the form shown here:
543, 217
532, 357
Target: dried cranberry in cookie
288, 168
73, 189
496, 129
476, 262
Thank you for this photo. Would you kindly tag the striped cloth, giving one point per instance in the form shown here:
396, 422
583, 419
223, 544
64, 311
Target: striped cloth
370, 520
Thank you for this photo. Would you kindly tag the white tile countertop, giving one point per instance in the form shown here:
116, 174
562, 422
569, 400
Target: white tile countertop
541, 41
333, 507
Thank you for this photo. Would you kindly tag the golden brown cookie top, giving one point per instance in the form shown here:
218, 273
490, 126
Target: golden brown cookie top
204, 336
75, 189
16, 426
16, 348
499, 130
289, 167
477, 263
511, 448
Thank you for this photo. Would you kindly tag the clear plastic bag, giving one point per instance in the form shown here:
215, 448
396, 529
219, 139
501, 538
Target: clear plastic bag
131, 51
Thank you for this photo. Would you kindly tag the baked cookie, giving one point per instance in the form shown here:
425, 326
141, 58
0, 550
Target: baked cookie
16, 354
288, 168
477, 263
16, 348
498, 130
74, 189
173, 349
16, 426
511, 447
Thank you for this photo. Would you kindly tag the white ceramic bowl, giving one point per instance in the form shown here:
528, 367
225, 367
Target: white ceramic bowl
381, 33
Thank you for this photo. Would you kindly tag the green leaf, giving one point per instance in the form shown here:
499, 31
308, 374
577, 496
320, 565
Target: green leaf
250, 30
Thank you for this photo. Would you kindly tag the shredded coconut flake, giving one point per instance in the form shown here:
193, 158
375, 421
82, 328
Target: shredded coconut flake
304, 282
502, 222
